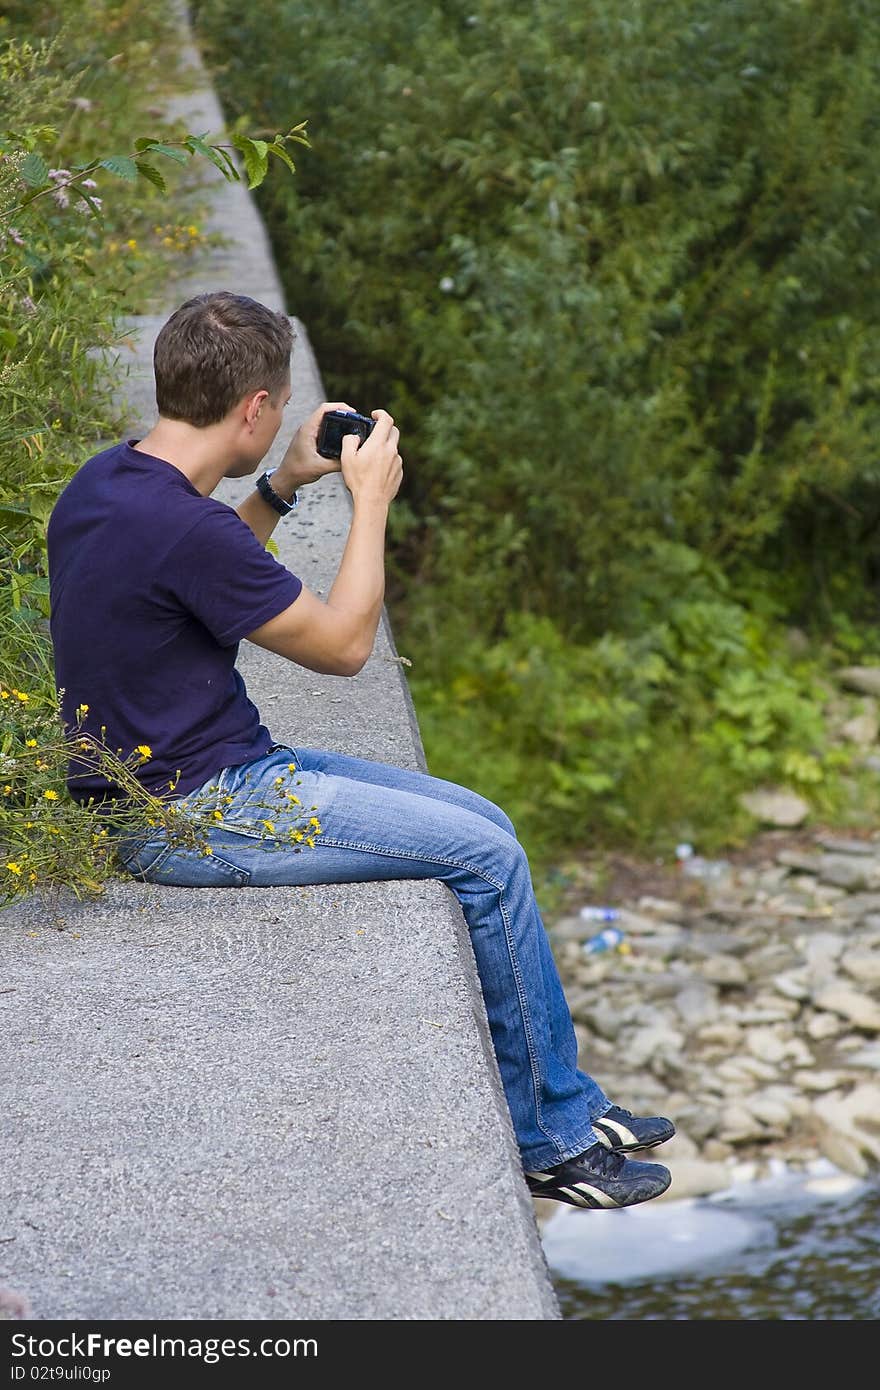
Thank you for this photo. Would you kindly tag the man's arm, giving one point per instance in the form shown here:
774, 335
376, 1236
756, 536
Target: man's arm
336, 637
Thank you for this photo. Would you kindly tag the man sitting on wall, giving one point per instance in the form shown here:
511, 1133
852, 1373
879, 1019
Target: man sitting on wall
154, 584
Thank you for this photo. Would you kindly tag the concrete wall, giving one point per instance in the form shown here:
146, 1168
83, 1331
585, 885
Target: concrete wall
260, 1103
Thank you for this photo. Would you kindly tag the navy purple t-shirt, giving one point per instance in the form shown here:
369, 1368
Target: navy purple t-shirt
152, 587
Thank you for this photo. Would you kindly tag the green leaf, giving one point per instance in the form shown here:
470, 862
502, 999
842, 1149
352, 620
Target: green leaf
282, 154
170, 151
256, 158
8, 338
34, 170
13, 513
146, 143
152, 175
197, 145
121, 166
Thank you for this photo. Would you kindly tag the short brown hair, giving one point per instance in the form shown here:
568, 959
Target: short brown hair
216, 349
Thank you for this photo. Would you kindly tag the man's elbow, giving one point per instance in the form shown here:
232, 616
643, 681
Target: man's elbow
354, 659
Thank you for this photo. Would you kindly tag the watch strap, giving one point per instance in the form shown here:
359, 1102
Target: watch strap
268, 493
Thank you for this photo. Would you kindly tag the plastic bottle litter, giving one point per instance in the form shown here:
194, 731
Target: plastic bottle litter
695, 866
599, 914
607, 940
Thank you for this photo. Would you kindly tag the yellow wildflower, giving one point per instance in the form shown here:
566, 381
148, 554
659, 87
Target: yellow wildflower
145, 751
279, 781
13, 867
20, 695
81, 710
269, 826
218, 815
291, 767
291, 797
50, 795
131, 244
30, 743
314, 821
4, 694
310, 842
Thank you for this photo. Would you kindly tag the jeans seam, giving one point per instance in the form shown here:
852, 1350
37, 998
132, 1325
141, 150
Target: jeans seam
553, 1138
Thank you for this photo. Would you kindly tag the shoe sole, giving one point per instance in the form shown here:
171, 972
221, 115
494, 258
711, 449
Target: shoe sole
590, 1198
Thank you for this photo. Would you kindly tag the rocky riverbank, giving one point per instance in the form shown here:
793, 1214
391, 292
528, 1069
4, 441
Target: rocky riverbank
744, 1003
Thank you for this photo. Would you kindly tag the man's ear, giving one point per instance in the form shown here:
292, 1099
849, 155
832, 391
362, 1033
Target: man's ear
253, 406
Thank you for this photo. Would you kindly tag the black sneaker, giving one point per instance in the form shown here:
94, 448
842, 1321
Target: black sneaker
597, 1178
623, 1131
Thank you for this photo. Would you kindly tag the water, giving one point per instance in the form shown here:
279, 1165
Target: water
783, 1249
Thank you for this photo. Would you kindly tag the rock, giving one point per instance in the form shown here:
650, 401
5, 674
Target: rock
840, 1150
697, 1003
849, 871
850, 1004
862, 729
793, 985
695, 1177
766, 1045
723, 970
805, 860
864, 966
823, 1026
737, 1124
775, 806
865, 679
836, 844
665, 908
819, 1080
866, 1057
743, 1014
856, 1115
770, 1109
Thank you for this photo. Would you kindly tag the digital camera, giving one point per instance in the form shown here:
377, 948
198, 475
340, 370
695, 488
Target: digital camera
338, 423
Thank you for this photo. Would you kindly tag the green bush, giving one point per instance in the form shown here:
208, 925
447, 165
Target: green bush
614, 269
90, 231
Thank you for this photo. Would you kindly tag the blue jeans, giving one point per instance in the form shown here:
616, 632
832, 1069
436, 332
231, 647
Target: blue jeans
378, 821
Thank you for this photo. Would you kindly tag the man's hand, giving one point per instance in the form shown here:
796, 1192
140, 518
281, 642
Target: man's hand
372, 469
302, 463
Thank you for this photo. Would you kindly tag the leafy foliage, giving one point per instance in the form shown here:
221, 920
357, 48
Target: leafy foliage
614, 269
80, 248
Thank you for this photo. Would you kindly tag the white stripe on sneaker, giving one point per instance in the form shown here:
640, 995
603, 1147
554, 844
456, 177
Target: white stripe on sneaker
600, 1197
625, 1135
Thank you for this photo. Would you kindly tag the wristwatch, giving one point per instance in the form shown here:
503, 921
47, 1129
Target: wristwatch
267, 491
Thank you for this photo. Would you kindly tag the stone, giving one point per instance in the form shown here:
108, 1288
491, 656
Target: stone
837, 844
841, 1150
792, 986
724, 970
863, 966
697, 1003
695, 1177
861, 729
775, 806
849, 871
766, 1045
864, 679
858, 1008
819, 1080
823, 1026
665, 908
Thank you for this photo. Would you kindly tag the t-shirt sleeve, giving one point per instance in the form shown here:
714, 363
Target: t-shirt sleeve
221, 573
